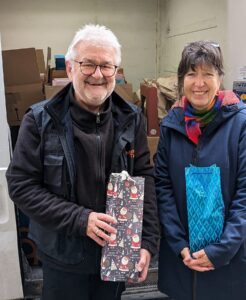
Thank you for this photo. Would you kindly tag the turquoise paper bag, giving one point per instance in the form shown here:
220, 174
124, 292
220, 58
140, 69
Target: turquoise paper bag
205, 206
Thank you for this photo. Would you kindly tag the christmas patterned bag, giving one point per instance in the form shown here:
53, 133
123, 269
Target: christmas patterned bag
125, 195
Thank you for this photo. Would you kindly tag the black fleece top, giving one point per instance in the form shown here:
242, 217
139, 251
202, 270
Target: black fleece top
93, 139
52, 210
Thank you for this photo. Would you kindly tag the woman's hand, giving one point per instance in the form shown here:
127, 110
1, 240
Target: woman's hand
198, 261
185, 253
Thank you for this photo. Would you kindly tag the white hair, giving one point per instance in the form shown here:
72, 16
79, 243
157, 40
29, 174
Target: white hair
97, 35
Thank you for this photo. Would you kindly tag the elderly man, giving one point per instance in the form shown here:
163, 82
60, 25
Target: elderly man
66, 150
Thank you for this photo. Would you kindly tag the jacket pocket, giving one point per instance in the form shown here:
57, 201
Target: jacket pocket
58, 246
53, 166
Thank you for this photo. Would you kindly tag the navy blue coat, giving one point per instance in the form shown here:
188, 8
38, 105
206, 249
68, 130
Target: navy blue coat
223, 143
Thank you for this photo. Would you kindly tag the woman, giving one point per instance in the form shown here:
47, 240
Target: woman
201, 184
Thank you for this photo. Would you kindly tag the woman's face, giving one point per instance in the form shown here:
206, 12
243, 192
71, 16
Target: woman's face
201, 86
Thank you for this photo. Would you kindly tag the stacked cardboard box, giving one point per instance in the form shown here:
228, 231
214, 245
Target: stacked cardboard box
124, 91
57, 80
23, 85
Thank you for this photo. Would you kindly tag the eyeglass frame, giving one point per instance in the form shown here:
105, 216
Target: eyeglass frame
96, 66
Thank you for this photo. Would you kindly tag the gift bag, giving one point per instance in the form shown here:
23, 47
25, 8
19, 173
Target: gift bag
205, 206
125, 195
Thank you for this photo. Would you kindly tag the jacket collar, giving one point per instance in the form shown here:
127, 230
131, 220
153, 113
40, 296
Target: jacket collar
86, 119
59, 105
230, 106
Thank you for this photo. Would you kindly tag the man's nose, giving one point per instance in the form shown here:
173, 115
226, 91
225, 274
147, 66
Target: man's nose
97, 73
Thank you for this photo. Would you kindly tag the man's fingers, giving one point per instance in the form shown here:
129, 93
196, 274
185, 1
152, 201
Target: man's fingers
98, 227
143, 264
142, 275
102, 235
98, 240
106, 227
106, 218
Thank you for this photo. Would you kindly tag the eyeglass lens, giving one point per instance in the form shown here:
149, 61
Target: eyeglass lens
89, 69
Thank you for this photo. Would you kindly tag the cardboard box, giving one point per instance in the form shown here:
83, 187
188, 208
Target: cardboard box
124, 91
57, 74
41, 64
60, 81
239, 88
23, 85
152, 143
48, 65
19, 98
51, 91
40, 61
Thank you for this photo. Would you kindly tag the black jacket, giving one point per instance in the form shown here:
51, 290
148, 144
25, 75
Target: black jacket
41, 177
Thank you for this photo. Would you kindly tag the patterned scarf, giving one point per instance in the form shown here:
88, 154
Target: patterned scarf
195, 119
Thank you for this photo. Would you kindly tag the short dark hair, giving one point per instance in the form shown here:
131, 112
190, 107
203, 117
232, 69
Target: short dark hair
199, 53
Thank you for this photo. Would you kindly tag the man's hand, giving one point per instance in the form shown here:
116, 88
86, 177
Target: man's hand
198, 262
99, 228
143, 264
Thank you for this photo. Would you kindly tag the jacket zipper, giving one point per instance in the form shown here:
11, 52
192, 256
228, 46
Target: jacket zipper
194, 160
99, 156
99, 173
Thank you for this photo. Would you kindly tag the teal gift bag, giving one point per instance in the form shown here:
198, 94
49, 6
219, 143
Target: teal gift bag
205, 206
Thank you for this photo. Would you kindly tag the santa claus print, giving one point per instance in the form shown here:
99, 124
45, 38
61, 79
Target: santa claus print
134, 193
115, 191
135, 241
104, 262
110, 189
113, 242
123, 214
124, 264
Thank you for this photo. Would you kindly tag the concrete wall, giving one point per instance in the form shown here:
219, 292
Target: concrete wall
29, 23
152, 32
236, 39
186, 21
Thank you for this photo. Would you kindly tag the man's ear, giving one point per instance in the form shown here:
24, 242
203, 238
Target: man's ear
69, 70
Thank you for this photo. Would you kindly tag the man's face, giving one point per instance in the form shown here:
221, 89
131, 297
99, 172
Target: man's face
92, 91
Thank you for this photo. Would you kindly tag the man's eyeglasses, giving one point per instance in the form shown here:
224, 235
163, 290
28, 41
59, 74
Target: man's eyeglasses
88, 69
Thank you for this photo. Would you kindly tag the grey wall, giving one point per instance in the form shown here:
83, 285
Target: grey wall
235, 39
32, 23
152, 32
186, 21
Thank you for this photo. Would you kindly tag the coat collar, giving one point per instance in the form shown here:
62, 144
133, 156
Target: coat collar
59, 106
231, 105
